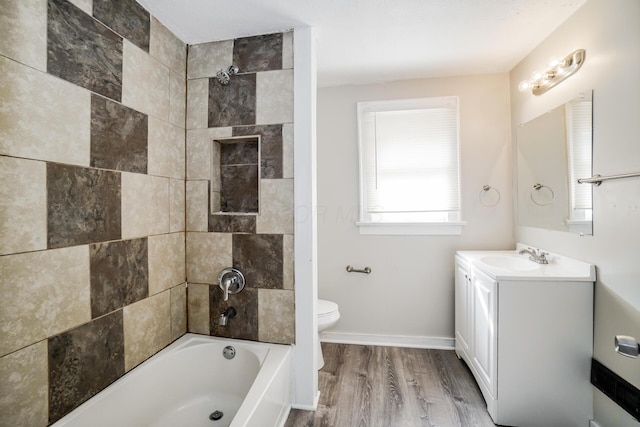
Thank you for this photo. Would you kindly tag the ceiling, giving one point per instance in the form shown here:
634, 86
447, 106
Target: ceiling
371, 41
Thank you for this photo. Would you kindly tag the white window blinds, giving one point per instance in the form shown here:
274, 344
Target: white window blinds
409, 160
579, 138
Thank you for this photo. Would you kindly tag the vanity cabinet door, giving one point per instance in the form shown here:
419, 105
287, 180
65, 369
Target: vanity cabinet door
484, 323
463, 305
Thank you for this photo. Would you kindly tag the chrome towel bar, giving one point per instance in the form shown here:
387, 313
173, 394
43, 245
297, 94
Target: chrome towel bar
366, 270
597, 179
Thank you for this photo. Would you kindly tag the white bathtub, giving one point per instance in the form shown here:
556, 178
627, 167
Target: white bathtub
187, 381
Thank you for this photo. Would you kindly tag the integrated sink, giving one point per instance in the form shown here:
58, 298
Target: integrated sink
507, 262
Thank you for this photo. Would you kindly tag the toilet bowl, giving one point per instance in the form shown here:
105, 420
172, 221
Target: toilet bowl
328, 316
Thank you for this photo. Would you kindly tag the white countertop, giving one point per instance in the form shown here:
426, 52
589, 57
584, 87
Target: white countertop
559, 268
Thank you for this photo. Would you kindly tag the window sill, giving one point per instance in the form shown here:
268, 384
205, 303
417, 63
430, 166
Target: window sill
412, 228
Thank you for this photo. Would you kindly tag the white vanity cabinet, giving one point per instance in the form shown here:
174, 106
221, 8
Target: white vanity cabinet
527, 337
463, 309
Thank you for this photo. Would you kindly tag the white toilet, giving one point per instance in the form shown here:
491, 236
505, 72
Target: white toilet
328, 316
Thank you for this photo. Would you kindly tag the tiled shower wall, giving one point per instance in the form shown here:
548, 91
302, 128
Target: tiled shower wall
257, 101
92, 212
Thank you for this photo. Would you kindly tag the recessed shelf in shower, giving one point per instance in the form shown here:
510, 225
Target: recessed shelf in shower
235, 176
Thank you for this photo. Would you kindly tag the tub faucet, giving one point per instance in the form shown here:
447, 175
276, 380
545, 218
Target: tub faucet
536, 255
228, 314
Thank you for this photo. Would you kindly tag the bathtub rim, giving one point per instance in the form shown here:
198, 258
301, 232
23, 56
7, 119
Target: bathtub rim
268, 367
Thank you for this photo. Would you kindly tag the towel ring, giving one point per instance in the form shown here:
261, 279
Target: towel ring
484, 193
540, 189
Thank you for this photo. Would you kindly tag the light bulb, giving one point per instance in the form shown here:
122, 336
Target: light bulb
524, 86
554, 63
537, 76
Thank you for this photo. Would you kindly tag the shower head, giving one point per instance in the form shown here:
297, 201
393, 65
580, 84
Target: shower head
224, 76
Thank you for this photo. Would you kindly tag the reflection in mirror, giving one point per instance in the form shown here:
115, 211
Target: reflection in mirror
554, 150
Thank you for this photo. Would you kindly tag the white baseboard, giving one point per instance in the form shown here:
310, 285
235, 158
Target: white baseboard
284, 415
438, 343
307, 407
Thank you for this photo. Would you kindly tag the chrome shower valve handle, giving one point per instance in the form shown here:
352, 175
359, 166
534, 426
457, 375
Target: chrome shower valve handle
231, 281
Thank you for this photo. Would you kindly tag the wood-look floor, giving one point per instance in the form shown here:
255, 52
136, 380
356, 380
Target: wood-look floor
367, 386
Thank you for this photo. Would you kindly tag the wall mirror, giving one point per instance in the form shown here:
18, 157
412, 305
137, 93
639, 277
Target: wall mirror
554, 150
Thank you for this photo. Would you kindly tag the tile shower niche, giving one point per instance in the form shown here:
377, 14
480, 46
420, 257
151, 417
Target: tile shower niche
235, 176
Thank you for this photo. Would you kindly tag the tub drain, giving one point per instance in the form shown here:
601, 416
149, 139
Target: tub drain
215, 415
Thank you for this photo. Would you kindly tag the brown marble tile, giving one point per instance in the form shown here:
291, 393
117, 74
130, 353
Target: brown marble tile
83, 205
259, 257
83, 361
233, 104
258, 53
119, 274
118, 136
270, 148
239, 188
232, 223
245, 324
238, 153
82, 50
127, 18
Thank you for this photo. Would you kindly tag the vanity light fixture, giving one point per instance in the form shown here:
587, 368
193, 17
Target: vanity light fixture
558, 70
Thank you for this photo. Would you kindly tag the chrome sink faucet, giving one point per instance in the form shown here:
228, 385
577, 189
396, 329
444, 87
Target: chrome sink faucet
536, 255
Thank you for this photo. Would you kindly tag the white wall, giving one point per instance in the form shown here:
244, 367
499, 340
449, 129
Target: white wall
410, 291
609, 30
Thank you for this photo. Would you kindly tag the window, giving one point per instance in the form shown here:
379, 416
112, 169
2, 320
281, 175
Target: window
409, 166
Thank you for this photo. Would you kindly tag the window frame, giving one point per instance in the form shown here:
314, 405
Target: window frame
449, 223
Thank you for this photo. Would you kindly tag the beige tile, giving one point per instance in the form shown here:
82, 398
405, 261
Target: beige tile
199, 143
178, 311
198, 104
85, 5
177, 99
24, 31
24, 387
276, 207
288, 256
147, 328
287, 151
207, 58
166, 149
207, 255
276, 316
145, 82
23, 205
176, 205
215, 202
287, 50
45, 118
42, 294
166, 262
216, 175
274, 97
197, 205
145, 205
167, 48
198, 309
